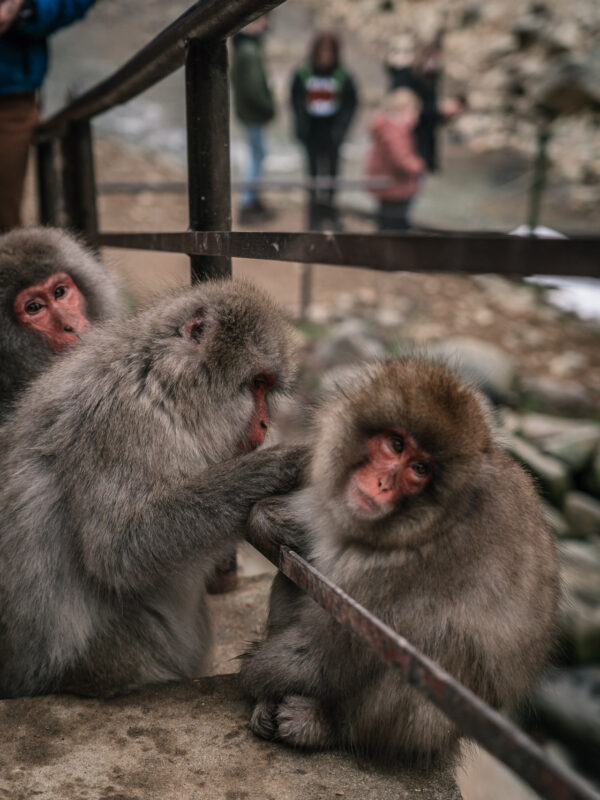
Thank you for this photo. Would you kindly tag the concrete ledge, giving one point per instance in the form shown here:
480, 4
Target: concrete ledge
187, 741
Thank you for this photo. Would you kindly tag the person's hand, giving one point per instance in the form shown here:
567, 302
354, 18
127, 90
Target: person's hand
452, 107
8, 11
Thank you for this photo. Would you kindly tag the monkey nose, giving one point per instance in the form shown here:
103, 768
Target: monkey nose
69, 329
263, 425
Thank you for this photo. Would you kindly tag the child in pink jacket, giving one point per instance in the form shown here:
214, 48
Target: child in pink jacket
394, 157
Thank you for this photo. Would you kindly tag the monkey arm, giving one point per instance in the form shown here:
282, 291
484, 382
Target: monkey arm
170, 525
273, 522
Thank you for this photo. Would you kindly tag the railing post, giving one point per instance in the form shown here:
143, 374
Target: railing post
209, 176
47, 184
79, 179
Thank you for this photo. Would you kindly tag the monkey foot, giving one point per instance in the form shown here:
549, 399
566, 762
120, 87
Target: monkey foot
301, 724
262, 721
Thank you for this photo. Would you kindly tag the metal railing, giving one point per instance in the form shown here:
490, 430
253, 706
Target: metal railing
197, 40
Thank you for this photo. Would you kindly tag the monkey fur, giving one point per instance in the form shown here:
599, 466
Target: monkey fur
29, 256
464, 568
126, 476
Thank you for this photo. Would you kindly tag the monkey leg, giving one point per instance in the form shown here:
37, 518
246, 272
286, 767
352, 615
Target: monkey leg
282, 665
262, 722
301, 722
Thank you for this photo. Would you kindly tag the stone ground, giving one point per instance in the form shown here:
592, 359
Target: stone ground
189, 741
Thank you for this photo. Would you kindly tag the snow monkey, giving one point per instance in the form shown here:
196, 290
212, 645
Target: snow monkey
51, 289
129, 469
414, 509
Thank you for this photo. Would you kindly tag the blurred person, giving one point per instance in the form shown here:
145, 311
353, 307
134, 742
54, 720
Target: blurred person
394, 156
24, 28
324, 100
421, 72
254, 107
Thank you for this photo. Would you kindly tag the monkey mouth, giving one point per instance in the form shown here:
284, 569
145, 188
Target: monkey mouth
364, 504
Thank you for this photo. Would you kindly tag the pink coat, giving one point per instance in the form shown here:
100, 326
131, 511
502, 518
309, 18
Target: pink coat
393, 155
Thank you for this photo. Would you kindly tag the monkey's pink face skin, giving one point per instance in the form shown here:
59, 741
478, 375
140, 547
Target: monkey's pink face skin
395, 468
55, 308
260, 385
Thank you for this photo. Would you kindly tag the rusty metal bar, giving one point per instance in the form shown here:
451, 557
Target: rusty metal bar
473, 253
209, 177
47, 184
480, 722
79, 179
206, 19
262, 184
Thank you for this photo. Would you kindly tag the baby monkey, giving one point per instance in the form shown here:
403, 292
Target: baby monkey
414, 509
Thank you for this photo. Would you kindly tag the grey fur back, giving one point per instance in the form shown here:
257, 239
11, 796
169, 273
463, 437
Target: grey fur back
121, 487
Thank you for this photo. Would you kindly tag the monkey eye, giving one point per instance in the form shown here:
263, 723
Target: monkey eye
60, 291
259, 383
420, 468
397, 443
33, 307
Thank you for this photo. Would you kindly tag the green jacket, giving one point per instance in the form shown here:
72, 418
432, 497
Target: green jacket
252, 98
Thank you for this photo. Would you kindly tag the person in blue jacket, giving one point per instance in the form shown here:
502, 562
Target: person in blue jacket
24, 28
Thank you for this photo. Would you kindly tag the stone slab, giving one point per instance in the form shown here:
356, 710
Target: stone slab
187, 741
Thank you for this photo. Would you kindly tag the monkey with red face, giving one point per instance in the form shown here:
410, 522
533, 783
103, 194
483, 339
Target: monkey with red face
128, 472
51, 289
414, 509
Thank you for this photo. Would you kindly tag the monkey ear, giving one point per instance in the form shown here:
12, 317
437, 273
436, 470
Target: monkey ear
193, 329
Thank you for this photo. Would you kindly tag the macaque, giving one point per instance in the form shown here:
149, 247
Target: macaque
51, 289
129, 469
414, 509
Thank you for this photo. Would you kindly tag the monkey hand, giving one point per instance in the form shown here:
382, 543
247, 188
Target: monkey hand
272, 523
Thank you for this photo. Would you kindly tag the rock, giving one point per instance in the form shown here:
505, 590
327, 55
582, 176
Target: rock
481, 363
471, 14
574, 448
580, 630
583, 514
507, 295
580, 565
592, 479
543, 426
319, 313
568, 702
570, 87
348, 341
527, 30
388, 317
567, 363
556, 521
551, 473
562, 396
562, 38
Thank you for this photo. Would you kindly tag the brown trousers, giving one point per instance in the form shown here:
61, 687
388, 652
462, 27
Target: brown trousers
19, 114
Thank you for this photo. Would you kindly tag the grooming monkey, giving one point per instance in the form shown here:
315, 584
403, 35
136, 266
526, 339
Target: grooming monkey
416, 512
51, 289
128, 472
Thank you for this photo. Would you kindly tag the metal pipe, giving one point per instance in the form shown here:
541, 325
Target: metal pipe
79, 183
47, 184
206, 19
474, 717
472, 253
209, 177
